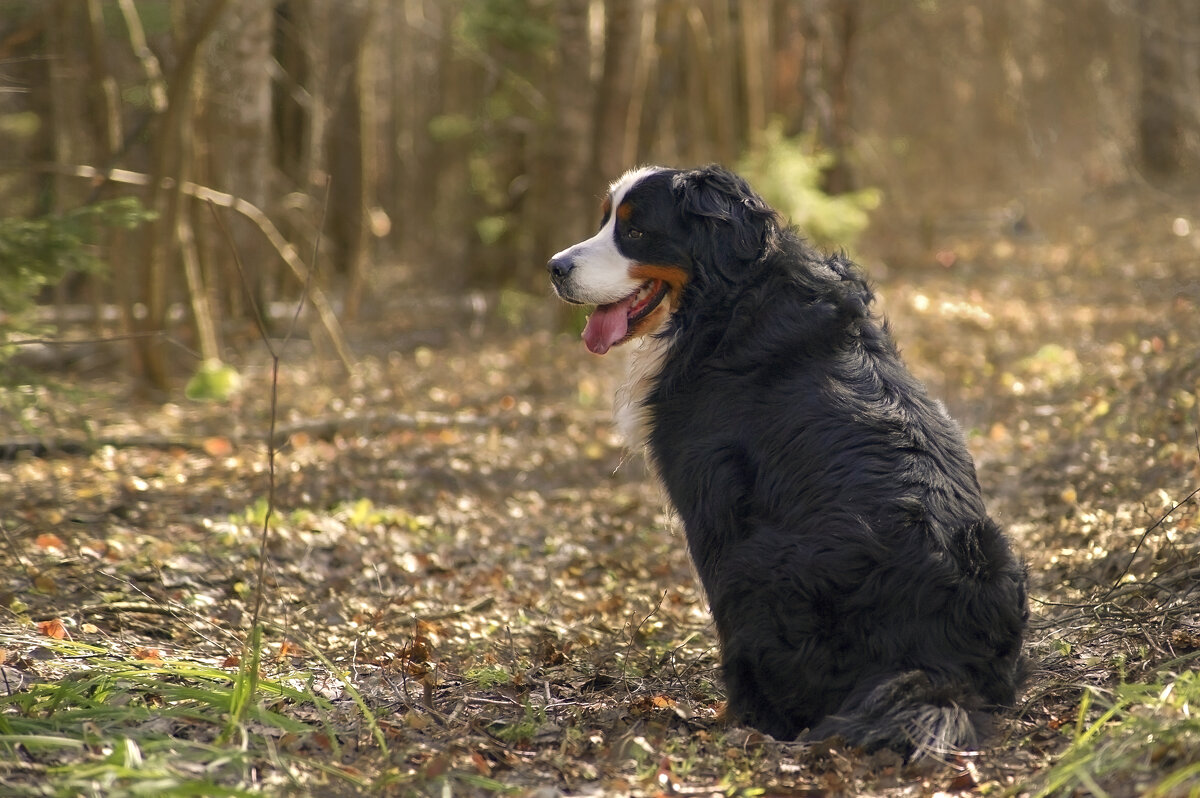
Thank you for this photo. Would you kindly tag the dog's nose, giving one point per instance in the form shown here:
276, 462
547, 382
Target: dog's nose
559, 267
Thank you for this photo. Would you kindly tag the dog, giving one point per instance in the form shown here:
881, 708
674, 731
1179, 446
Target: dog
831, 509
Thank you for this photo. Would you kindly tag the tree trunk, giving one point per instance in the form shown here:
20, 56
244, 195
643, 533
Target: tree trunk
167, 163
719, 52
846, 13
789, 54
1160, 116
557, 206
756, 48
416, 63
351, 144
107, 100
622, 25
369, 71
237, 118
69, 123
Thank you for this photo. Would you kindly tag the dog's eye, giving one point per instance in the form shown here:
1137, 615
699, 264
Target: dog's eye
633, 232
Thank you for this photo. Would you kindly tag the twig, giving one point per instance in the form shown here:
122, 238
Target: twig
254, 644
1161, 519
260, 576
102, 340
633, 635
180, 612
308, 286
321, 428
20, 766
141, 49
130, 606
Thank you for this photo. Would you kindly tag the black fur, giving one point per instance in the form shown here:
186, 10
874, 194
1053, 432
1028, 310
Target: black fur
831, 507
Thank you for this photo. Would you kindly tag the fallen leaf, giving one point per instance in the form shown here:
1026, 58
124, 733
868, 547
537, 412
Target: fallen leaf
1185, 640
147, 654
967, 777
217, 446
418, 651
48, 540
436, 766
53, 628
289, 649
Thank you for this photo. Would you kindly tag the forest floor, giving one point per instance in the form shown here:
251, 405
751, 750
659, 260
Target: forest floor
470, 588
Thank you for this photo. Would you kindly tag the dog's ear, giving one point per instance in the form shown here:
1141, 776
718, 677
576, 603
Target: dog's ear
738, 226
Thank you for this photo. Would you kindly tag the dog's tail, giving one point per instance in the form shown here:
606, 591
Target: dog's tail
911, 712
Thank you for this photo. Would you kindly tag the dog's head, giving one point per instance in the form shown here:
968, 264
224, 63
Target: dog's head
664, 235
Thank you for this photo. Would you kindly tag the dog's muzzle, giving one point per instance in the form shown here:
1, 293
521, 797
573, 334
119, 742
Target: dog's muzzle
560, 268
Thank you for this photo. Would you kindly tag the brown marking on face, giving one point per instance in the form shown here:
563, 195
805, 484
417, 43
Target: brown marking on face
650, 323
675, 278
606, 207
624, 211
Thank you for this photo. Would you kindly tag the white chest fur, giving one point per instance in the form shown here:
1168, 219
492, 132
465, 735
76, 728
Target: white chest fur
641, 374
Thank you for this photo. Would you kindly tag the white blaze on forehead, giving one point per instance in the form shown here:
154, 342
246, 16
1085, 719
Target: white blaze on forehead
601, 273
620, 187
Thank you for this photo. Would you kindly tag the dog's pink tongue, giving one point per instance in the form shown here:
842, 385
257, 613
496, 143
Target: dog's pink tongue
607, 325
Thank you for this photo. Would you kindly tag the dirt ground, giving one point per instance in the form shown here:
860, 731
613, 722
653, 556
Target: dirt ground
458, 528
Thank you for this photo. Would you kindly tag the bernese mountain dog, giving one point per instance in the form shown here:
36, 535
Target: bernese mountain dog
831, 508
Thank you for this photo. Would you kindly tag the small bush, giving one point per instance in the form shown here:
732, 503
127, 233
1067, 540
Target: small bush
787, 172
37, 253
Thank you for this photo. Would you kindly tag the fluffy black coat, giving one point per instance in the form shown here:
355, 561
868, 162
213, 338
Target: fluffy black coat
830, 505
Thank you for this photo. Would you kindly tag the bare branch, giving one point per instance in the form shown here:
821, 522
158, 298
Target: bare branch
285, 248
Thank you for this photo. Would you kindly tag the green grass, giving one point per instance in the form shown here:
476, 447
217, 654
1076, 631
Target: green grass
116, 725
1146, 736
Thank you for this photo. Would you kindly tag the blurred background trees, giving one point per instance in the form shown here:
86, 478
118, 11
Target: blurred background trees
456, 143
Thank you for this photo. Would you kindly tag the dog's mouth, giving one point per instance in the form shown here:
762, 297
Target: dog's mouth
614, 323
